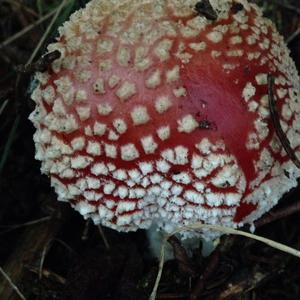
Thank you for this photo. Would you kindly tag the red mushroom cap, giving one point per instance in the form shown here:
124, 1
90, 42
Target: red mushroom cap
157, 112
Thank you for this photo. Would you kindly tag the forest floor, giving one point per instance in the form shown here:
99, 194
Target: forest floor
49, 252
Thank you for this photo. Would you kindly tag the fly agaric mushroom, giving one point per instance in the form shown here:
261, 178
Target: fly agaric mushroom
157, 112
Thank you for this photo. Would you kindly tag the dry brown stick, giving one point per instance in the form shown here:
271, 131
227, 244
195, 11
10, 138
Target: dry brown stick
49, 275
18, 13
43, 257
293, 36
245, 282
209, 270
29, 250
3, 106
18, 226
43, 38
12, 285
277, 126
103, 236
66, 246
181, 256
171, 296
86, 230
291, 7
5, 94
278, 214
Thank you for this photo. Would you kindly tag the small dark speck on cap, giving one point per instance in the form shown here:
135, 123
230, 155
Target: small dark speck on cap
204, 8
205, 124
236, 7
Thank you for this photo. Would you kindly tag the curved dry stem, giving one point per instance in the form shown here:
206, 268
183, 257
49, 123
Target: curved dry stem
277, 126
42, 40
13, 286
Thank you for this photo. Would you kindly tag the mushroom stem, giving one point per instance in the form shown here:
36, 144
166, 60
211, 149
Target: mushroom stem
156, 238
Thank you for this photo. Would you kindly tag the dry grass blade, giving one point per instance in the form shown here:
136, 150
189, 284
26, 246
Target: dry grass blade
224, 230
102, 234
42, 40
13, 286
21, 5
49, 274
4, 104
30, 223
9, 142
277, 126
291, 7
293, 36
26, 29
278, 214
43, 257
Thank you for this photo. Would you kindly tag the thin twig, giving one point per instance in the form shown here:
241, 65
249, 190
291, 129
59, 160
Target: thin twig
224, 230
6, 94
41, 266
160, 270
49, 274
41, 42
209, 270
22, 6
293, 8
181, 256
9, 142
105, 241
27, 29
27, 223
171, 296
278, 214
293, 36
277, 126
13, 286
43, 257
14, 227
30, 245
64, 244
3, 106
246, 283
86, 230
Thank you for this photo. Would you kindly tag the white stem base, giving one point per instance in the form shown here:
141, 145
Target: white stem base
156, 236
